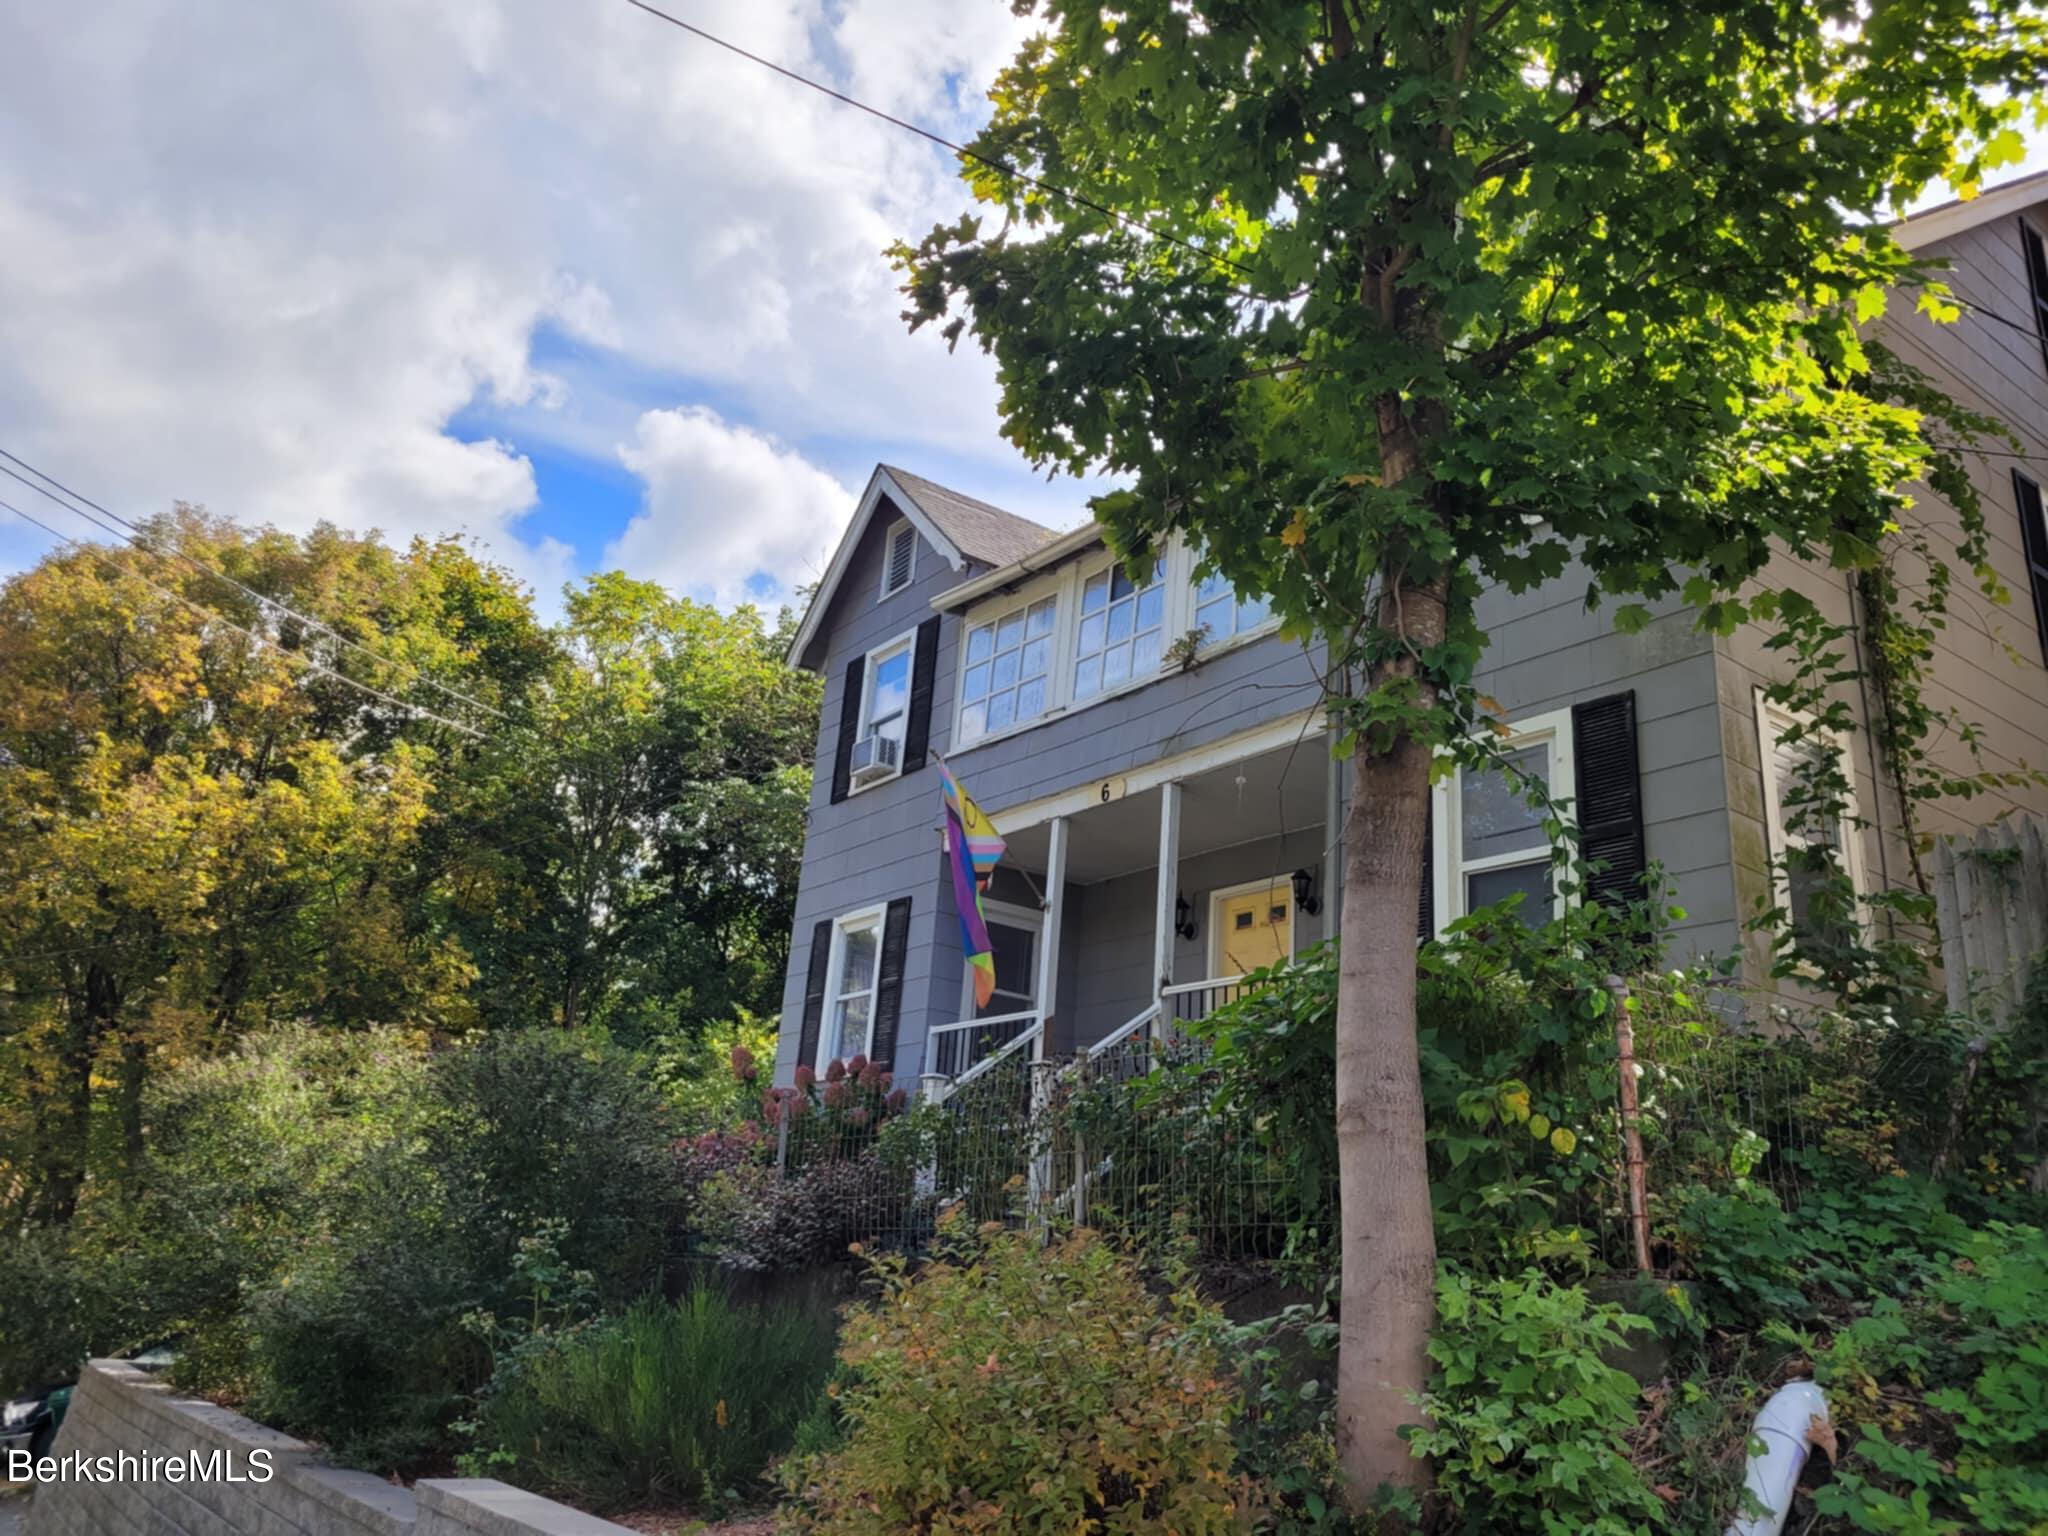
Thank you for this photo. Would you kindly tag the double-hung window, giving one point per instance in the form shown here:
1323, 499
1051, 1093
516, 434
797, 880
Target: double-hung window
1494, 842
2035, 256
850, 1005
1008, 669
1122, 632
1810, 821
885, 707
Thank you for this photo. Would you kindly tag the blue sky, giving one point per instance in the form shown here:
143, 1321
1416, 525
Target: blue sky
559, 278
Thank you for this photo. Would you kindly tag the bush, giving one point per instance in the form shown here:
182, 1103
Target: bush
52, 1304
1526, 1418
688, 1400
1021, 1386
1948, 1395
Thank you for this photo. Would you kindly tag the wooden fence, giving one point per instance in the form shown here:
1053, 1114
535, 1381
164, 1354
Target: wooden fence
1991, 900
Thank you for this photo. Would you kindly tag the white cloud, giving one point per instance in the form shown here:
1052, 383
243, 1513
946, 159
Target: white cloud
261, 256
730, 516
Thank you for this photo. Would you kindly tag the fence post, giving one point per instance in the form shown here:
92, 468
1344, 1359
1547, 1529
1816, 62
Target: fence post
782, 1143
1631, 1127
1039, 1181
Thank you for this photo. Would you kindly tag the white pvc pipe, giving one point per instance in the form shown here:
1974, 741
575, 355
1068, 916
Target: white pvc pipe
1781, 1430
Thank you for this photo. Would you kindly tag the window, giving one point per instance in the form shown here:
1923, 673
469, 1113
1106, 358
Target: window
1008, 670
899, 559
1013, 934
850, 1005
1221, 613
1809, 839
1122, 629
2037, 280
885, 703
1495, 845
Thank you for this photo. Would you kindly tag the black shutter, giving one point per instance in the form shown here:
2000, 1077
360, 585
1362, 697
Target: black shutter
889, 982
924, 667
2034, 540
849, 727
1610, 798
814, 993
2036, 258
1425, 917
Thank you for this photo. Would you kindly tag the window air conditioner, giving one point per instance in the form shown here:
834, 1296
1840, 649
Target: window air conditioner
876, 758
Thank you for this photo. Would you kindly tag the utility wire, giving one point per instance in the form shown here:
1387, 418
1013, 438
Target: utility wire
212, 617
136, 535
1000, 167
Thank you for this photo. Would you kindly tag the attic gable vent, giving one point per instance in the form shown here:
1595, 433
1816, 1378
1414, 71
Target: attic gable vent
902, 556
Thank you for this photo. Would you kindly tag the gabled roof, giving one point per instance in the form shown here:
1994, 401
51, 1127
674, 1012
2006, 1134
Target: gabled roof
978, 530
1956, 216
960, 528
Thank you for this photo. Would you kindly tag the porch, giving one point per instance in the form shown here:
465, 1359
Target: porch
1127, 910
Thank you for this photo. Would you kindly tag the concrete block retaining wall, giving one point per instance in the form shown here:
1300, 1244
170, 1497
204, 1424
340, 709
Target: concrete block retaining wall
118, 1408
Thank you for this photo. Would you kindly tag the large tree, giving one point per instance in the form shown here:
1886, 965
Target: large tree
1380, 300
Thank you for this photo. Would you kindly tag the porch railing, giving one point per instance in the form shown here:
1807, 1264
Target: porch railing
1190, 1002
968, 1048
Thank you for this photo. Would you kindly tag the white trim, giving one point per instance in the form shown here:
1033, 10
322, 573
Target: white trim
1449, 867
1060, 588
1037, 563
1955, 218
1224, 893
1011, 916
880, 484
886, 651
1283, 732
828, 1026
1777, 840
903, 529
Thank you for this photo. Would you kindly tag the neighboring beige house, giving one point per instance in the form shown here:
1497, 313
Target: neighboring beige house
1992, 662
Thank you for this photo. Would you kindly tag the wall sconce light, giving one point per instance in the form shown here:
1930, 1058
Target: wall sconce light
1305, 896
1183, 924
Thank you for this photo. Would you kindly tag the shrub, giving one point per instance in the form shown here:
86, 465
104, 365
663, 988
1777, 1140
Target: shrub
1525, 1417
1022, 1386
52, 1303
690, 1399
1948, 1395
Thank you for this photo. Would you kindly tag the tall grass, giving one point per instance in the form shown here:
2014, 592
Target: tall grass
690, 1401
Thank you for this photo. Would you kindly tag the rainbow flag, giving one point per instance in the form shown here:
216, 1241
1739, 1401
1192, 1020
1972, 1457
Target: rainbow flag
973, 848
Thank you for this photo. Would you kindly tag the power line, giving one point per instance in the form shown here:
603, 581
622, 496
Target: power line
215, 618
199, 565
1000, 167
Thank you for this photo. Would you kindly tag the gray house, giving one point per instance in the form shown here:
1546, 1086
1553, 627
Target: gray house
1155, 754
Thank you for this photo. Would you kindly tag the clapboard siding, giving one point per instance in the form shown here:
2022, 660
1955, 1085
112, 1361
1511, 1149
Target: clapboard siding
1988, 661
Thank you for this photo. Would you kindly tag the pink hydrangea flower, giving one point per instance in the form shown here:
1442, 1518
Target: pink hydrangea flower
870, 1076
805, 1077
835, 1069
857, 1064
856, 1117
743, 1064
896, 1101
835, 1092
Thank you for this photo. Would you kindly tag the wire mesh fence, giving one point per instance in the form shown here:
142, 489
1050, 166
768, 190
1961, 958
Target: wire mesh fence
1148, 1137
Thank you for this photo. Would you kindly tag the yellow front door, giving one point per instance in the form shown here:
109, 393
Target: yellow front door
1254, 929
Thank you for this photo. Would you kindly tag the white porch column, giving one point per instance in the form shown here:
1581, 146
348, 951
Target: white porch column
1048, 983
1169, 887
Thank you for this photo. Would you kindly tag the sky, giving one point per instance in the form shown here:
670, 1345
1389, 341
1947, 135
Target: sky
556, 276
550, 274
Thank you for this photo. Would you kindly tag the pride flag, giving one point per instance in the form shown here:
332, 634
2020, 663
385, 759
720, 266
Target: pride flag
973, 848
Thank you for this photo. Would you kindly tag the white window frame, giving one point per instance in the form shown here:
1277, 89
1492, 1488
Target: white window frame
835, 982
989, 616
903, 529
1177, 618
863, 725
1450, 867
1010, 916
1086, 571
1772, 721
1215, 645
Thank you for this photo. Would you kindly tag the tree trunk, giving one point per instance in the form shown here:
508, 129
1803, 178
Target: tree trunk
134, 1075
1388, 1284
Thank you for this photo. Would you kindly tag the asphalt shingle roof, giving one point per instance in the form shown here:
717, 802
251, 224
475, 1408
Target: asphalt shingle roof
982, 532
